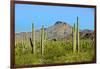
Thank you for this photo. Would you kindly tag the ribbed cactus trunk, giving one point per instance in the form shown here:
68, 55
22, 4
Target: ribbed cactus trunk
42, 40
23, 43
74, 38
33, 38
45, 36
78, 47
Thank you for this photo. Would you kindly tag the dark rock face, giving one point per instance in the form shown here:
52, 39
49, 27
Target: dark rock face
59, 22
87, 34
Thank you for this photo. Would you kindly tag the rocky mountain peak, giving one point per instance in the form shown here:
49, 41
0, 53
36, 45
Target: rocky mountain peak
59, 22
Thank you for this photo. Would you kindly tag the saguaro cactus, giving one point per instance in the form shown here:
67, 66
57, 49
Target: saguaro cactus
45, 35
74, 38
78, 47
42, 40
33, 37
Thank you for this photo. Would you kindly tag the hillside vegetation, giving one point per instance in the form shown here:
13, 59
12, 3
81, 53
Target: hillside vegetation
60, 43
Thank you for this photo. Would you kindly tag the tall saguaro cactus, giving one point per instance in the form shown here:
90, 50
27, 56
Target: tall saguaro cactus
78, 47
42, 40
33, 37
74, 38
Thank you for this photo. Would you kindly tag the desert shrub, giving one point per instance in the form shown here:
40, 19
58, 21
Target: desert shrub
54, 52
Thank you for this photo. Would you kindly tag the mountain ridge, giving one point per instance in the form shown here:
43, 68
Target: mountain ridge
60, 30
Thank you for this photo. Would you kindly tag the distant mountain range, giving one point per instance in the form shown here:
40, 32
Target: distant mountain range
60, 30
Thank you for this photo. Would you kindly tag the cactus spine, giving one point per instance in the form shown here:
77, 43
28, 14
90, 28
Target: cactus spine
42, 40
78, 48
33, 37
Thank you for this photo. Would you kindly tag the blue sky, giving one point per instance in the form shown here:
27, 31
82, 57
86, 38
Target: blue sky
40, 15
